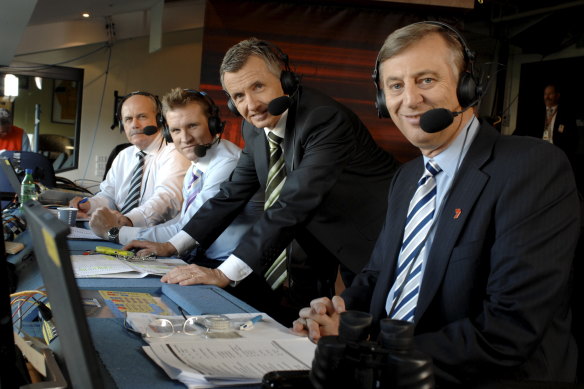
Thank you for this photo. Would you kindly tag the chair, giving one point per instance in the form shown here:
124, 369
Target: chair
53, 145
114, 153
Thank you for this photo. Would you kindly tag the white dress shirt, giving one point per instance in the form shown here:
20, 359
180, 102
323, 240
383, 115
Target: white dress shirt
161, 195
216, 165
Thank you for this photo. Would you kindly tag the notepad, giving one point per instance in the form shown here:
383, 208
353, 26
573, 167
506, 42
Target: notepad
83, 233
106, 266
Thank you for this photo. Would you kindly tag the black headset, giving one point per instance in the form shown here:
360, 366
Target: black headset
288, 78
216, 126
160, 122
468, 91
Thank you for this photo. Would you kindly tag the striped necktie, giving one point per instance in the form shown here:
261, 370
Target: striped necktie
194, 186
409, 266
135, 184
277, 272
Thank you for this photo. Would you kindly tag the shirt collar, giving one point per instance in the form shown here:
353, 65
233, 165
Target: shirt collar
156, 143
450, 159
202, 163
280, 128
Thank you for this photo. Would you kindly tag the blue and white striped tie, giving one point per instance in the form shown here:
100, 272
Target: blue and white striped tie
409, 265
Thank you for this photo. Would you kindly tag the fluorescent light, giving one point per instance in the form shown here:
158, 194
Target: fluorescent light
38, 82
10, 85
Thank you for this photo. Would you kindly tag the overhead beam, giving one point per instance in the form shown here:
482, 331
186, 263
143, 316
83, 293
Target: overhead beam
13, 21
469, 4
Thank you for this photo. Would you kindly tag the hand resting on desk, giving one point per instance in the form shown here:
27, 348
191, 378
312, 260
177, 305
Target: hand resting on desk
320, 319
104, 219
194, 274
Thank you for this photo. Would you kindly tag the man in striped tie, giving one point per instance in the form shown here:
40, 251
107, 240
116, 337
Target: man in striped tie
194, 126
480, 230
325, 181
143, 186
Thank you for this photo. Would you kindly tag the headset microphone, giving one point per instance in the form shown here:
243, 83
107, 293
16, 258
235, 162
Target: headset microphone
280, 104
437, 119
201, 150
150, 130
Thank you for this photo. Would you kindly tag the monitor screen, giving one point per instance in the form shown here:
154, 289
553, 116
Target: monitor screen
49, 237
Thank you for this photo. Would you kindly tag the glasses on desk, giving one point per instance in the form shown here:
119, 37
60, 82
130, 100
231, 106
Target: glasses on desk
163, 328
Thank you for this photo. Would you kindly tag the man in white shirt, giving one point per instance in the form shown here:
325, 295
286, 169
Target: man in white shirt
158, 193
195, 128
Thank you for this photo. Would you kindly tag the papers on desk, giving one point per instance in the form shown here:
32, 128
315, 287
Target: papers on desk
82, 233
201, 362
106, 266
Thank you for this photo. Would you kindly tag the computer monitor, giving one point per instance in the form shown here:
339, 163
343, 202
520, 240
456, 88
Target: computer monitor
9, 182
49, 237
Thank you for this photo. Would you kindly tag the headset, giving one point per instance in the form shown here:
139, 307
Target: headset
216, 126
289, 80
160, 122
468, 91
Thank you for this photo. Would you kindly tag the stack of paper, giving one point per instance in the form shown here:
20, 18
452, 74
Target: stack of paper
91, 266
204, 362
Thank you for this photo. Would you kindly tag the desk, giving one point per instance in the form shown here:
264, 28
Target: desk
119, 349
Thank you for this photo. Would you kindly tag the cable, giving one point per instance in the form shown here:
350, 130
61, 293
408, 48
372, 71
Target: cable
47, 66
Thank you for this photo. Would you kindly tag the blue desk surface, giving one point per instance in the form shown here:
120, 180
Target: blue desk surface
120, 350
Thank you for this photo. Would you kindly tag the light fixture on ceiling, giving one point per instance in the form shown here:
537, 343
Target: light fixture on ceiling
10, 85
38, 81
85, 15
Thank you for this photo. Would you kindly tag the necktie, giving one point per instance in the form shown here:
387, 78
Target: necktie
194, 187
135, 184
409, 265
277, 272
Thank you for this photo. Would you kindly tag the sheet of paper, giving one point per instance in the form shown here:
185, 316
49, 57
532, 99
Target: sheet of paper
82, 233
92, 265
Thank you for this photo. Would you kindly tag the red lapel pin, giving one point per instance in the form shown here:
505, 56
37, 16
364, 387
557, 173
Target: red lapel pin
457, 213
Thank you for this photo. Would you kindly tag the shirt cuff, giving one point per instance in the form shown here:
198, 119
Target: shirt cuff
183, 242
235, 269
128, 234
138, 220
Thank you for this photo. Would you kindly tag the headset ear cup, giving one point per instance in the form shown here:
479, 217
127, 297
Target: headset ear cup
232, 107
382, 111
467, 90
166, 133
216, 126
289, 82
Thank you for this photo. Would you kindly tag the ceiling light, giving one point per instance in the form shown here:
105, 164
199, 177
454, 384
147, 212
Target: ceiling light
10, 85
38, 82
85, 14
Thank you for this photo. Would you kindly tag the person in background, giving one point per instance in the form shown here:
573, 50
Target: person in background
193, 125
144, 185
12, 138
325, 181
480, 230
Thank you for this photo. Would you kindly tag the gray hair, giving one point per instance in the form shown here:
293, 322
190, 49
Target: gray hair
237, 56
401, 39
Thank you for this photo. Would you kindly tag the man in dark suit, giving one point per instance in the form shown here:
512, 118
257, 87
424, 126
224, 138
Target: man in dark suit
487, 285
331, 196
559, 124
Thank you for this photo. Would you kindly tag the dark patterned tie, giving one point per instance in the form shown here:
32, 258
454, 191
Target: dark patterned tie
409, 265
135, 184
277, 273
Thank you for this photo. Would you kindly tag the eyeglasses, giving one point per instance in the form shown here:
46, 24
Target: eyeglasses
163, 328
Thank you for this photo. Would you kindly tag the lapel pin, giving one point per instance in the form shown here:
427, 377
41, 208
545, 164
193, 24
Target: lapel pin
457, 213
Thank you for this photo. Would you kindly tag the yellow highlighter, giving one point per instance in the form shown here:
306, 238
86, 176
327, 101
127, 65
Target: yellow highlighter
112, 251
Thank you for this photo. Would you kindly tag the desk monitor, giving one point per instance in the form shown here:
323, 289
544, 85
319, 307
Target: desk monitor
49, 236
9, 182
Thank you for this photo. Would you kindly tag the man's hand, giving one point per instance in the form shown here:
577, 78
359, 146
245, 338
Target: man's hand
83, 207
320, 319
102, 220
193, 274
147, 248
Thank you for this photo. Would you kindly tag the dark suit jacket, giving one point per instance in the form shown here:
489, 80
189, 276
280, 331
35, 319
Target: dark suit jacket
565, 134
335, 189
494, 298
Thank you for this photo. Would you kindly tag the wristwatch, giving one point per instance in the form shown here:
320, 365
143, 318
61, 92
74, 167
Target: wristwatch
113, 234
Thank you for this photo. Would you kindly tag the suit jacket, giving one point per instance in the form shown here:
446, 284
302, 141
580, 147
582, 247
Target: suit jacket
335, 190
494, 298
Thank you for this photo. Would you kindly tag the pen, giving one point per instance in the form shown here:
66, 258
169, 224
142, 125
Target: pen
112, 251
83, 200
248, 325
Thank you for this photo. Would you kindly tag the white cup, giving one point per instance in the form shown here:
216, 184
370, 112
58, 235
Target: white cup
67, 214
